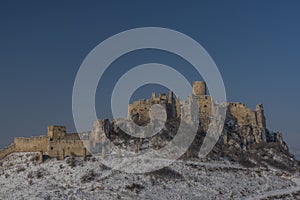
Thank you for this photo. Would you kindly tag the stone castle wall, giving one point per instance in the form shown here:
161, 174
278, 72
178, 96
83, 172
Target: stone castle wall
6, 151
247, 116
57, 144
32, 144
63, 148
139, 110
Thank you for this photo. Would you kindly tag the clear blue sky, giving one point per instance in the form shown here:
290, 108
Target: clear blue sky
255, 44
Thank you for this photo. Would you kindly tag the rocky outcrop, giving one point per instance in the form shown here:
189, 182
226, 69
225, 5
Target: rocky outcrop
252, 145
245, 139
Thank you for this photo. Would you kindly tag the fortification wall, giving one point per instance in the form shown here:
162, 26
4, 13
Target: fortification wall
100, 129
32, 144
204, 103
62, 148
71, 136
243, 114
6, 151
139, 110
57, 143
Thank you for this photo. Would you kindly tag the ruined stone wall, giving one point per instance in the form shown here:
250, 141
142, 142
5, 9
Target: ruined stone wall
205, 106
251, 127
32, 144
6, 151
139, 110
247, 116
57, 132
199, 88
260, 116
99, 132
71, 136
243, 114
56, 144
63, 148
189, 112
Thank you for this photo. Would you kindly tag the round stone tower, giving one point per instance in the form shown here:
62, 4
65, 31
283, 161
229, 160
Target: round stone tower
199, 88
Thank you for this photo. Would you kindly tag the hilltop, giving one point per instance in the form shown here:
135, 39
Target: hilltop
22, 177
247, 161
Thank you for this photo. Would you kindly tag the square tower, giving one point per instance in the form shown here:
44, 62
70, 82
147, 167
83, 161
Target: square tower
57, 132
199, 88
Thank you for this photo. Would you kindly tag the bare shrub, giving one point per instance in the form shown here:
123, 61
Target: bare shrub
104, 167
245, 162
39, 173
34, 158
88, 177
71, 161
30, 174
20, 169
152, 181
134, 187
166, 173
47, 198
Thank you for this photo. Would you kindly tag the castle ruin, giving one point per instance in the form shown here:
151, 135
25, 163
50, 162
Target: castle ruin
59, 144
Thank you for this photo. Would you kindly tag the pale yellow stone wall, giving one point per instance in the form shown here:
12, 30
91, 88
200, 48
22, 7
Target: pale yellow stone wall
32, 144
140, 109
199, 88
100, 130
63, 148
56, 132
6, 151
57, 143
242, 113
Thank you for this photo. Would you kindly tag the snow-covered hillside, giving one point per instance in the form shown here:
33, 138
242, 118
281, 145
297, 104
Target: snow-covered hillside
21, 177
